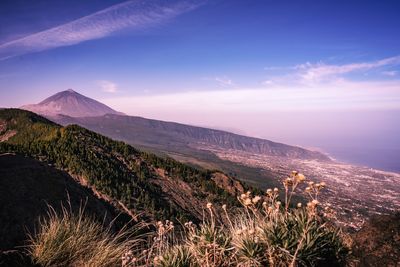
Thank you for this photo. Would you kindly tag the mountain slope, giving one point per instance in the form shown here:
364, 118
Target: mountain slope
70, 103
138, 183
28, 186
155, 133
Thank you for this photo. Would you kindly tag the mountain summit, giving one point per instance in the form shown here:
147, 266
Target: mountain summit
72, 104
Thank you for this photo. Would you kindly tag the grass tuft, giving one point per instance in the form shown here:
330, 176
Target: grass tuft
68, 239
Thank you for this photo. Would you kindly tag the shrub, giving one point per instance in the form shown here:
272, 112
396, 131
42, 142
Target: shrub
265, 233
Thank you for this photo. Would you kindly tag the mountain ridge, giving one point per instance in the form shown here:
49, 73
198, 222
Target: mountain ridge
193, 135
70, 107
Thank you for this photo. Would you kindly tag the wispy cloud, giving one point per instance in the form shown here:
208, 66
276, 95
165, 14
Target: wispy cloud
390, 73
317, 73
107, 86
131, 14
224, 81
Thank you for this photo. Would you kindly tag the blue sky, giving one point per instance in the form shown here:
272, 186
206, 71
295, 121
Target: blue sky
231, 64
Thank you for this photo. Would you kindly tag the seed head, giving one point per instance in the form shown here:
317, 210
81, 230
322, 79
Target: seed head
315, 202
301, 177
247, 202
256, 199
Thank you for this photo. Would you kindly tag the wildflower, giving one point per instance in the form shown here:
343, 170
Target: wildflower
278, 203
264, 204
243, 196
270, 209
301, 177
209, 205
299, 205
276, 190
269, 191
294, 173
308, 189
224, 206
315, 202
247, 202
323, 184
256, 199
288, 181
251, 232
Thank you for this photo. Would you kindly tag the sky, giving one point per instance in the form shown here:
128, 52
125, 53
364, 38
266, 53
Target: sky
320, 74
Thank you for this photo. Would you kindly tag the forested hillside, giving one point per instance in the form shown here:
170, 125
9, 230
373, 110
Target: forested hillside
137, 182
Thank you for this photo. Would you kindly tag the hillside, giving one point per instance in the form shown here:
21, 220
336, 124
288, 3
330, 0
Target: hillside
70, 103
139, 183
28, 186
170, 135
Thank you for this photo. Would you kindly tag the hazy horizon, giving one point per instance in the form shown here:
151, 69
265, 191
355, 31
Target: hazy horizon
318, 75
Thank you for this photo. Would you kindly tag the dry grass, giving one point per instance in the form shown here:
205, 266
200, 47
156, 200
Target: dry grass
69, 239
266, 232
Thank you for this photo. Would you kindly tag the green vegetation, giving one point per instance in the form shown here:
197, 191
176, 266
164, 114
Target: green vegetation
113, 168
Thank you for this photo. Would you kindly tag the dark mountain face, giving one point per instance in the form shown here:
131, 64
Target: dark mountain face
28, 186
70, 103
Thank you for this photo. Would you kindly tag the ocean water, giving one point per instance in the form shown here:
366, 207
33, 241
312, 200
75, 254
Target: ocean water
386, 159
